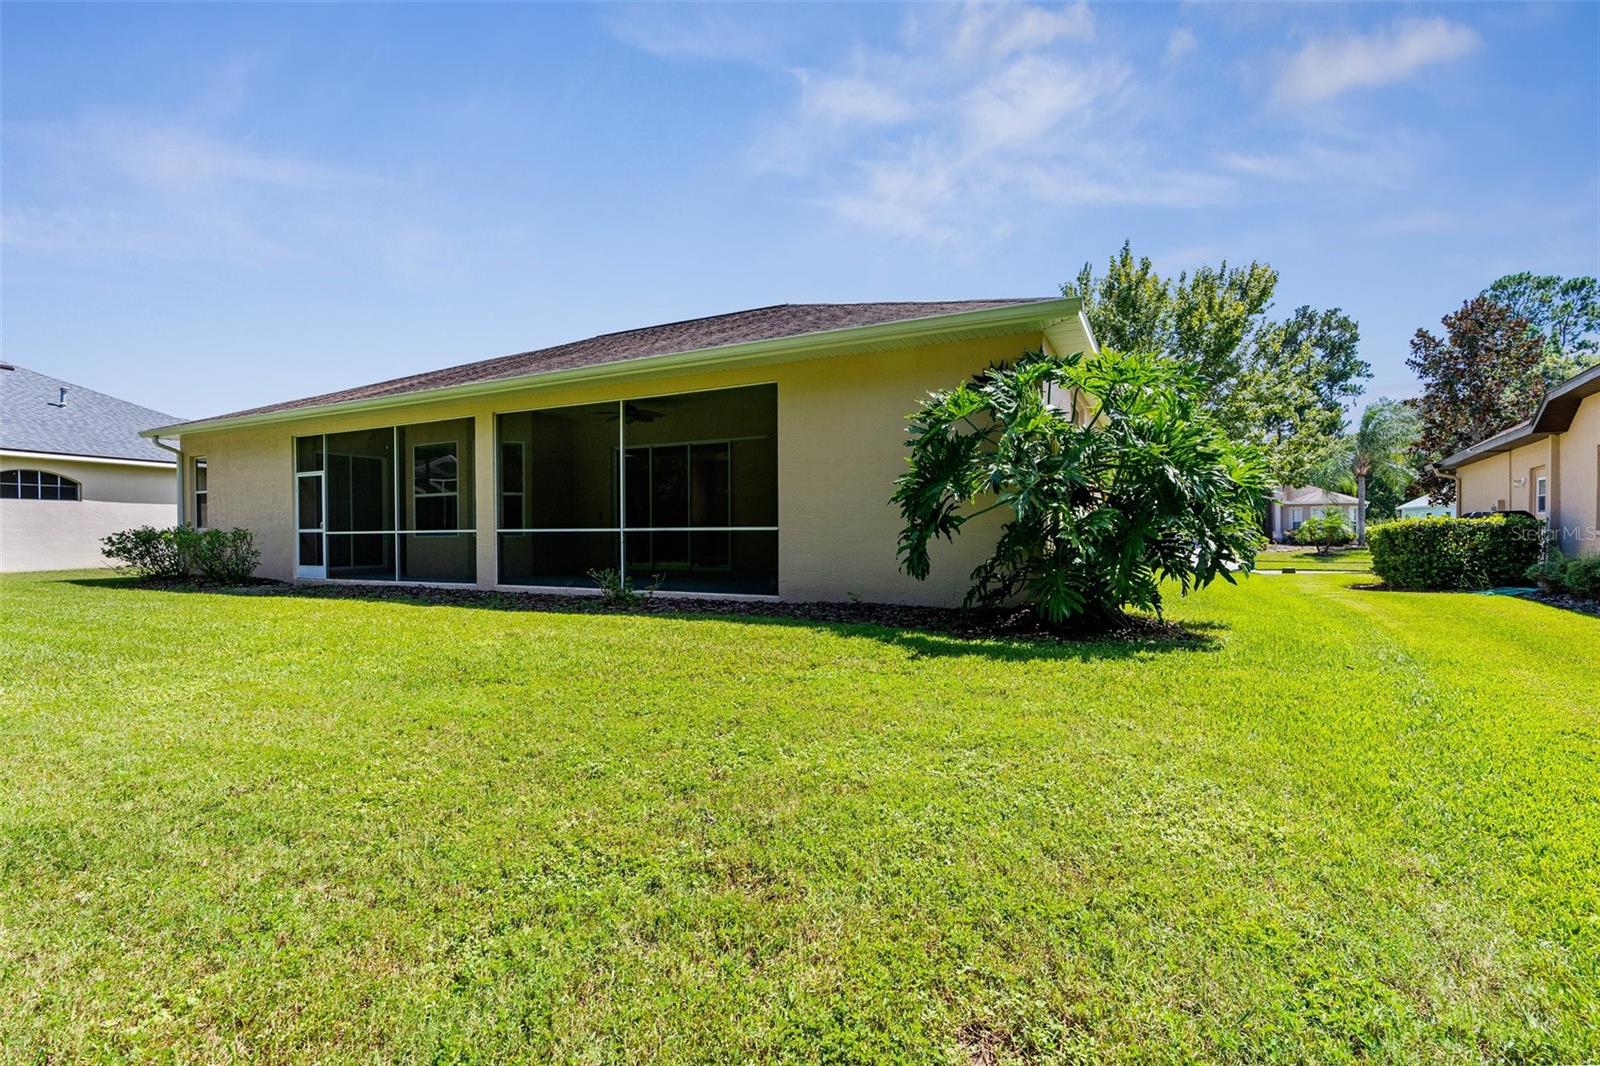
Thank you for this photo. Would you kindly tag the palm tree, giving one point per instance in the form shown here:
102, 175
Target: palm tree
1380, 448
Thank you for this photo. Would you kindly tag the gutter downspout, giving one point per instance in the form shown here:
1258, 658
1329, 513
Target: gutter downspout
157, 441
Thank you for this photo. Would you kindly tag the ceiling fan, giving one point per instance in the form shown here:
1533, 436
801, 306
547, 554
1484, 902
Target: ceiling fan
634, 413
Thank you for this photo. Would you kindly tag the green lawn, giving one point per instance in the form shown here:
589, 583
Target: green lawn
1308, 559
1352, 825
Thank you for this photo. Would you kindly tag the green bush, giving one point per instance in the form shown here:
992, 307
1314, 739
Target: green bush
223, 557
1580, 576
1325, 531
146, 552
1456, 553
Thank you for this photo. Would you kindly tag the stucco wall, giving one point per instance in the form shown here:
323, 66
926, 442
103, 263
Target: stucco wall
65, 534
1579, 496
841, 433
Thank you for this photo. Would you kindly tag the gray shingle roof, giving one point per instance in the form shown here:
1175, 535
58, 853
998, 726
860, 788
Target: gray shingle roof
1311, 494
737, 327
89, 423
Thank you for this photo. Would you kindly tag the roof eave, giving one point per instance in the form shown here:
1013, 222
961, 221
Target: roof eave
904, 333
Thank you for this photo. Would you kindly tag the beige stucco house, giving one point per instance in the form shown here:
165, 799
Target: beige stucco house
748, 454
73, 469
1548, 466
1291, 506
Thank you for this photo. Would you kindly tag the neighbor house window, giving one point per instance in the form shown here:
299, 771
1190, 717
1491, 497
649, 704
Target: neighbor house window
1541, 495
200, 492
37, 485
677, 491
389, 504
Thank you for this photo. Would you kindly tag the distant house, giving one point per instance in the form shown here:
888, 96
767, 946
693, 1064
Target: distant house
1548, 466
73, 468
1292, 506
1421, 508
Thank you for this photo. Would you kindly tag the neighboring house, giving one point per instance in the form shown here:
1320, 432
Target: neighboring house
1548, 465
1292, 506
751, 453
1421, 508
73, 468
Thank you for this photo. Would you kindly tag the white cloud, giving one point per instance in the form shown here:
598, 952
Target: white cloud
1326, 68
1000, 30
699, 32
850, 98
1180, 43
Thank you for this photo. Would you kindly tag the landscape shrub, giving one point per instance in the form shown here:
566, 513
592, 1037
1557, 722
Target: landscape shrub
1096, 516
1456, 553
221, 557
1325, 531
1580, 576
145, 552
224, 557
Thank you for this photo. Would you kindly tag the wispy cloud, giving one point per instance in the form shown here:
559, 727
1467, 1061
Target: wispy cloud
1180, 43
1330, 67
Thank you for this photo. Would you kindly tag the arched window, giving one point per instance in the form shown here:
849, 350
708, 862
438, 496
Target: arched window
36, 485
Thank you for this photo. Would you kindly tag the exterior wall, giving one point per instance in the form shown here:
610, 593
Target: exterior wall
65, 535
1576, 481
1570, 460
1507, 477
840, 447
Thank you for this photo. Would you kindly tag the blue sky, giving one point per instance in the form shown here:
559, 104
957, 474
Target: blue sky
211, 207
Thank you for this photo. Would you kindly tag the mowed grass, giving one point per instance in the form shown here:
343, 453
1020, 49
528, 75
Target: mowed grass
1351, 825
1309, 559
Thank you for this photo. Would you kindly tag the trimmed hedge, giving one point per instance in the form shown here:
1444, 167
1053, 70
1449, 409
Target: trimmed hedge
1434, 554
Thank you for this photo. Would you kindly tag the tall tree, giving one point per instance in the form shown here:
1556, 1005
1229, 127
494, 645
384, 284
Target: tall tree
1565, 312
1480, 378
1379, 453
1280, 385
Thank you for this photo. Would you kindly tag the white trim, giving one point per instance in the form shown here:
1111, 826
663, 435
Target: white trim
651, 529
536, 590
7, 453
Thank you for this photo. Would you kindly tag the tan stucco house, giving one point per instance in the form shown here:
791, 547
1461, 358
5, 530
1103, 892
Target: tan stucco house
1291, 506
73, 469
748, 454
1548, 466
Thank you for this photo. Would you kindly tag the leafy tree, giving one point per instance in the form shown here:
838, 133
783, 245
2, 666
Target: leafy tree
1564, 312
1327, 531
1379, 453
1279, 385
1480, 378
1146, 488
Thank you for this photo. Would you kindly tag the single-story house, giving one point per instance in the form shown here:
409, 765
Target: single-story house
1290, 507
73, 469
1548, 466
1421, 508
749, 454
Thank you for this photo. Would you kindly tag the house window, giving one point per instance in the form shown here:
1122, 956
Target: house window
200, 492
363, 515
37, 485
677, 490
1541, 495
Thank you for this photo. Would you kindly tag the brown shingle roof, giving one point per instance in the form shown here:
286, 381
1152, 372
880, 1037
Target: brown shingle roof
738, 327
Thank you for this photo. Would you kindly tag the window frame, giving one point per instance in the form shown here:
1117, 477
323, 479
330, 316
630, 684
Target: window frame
1541, 494
202, 494
452, 494
61, 482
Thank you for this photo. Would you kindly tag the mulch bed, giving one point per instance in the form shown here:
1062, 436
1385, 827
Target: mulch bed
1021, 624
1566, 601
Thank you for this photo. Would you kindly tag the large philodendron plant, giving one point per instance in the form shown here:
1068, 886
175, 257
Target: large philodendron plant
1135, 486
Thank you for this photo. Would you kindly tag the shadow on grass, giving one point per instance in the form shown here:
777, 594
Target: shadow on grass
924, 632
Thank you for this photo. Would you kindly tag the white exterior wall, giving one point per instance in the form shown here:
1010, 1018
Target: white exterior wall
65, 534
